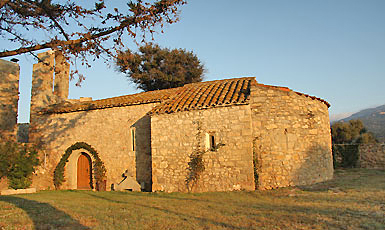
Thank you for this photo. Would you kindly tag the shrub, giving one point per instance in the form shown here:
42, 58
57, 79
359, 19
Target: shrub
6, 157
195, 168
256, 165
17, 163
345, 155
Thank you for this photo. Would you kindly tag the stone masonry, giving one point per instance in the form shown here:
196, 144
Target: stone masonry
269, 136
108, 131
372, 156
49, 86
9, 90
61, 82
173, 140
291, 138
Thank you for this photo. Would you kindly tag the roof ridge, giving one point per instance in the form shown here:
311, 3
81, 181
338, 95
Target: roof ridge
159, 90
227, 79
137, 94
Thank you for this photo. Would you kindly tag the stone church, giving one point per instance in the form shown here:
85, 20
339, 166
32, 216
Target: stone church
269, 136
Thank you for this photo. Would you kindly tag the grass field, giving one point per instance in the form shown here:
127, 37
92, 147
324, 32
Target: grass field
354, 199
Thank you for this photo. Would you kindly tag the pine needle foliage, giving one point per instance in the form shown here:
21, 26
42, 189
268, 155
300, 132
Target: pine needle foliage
155, 68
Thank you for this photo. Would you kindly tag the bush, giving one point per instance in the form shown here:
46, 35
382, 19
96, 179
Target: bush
17, 163
6, 157
345, 155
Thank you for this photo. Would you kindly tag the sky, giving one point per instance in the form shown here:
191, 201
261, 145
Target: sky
332, 49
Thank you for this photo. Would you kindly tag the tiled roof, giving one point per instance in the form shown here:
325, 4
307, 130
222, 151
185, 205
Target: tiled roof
201, 95
208, 94
126, 100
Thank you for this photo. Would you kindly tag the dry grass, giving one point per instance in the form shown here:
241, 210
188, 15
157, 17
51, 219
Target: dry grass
355, 199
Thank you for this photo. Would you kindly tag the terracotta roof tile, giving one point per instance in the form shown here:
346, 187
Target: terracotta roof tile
207, 94
192, 96
126, 100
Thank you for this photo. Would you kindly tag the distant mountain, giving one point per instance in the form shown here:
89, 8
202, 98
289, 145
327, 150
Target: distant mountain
373, 119
336, 117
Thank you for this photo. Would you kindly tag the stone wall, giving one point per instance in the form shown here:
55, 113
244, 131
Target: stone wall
50, 79
61, 81
108, 131
9, 91
42, 82
174, 138
291, 138
372, 156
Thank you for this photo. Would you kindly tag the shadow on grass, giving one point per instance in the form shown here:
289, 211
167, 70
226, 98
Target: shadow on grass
44, 215
182, 216
152, 195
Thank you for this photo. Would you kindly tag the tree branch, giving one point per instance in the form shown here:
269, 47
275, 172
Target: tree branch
3, 2
57, 43
55, 22
30, 15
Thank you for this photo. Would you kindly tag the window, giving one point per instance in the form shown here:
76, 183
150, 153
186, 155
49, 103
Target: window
133, 139
210, 141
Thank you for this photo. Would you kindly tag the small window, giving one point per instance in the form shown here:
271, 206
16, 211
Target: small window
133, 139
210, 142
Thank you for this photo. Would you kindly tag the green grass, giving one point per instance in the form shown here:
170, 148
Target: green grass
355, 199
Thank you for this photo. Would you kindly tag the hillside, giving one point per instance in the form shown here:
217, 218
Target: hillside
373, 119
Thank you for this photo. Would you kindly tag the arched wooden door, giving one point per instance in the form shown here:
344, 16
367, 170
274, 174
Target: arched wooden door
84, 171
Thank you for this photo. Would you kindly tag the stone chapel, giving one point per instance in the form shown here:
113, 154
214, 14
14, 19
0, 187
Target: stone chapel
269, 136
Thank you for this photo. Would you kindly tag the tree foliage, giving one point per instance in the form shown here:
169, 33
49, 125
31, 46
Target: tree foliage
81, 28
17, 163
352, 132
345, 156
154, 68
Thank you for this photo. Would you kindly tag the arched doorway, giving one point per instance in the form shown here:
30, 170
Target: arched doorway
96, 168
84, 169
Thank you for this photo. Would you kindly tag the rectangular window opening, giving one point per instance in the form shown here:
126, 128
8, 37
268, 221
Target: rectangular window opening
212, 142
133, 139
